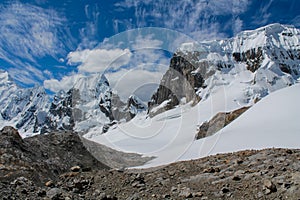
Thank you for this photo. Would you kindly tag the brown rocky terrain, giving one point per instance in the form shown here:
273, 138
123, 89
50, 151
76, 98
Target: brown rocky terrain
58, 166
219, 121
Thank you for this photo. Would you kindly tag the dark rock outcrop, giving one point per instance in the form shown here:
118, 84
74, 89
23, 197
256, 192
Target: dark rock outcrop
253, 58
122, 111
218, 122
181, 80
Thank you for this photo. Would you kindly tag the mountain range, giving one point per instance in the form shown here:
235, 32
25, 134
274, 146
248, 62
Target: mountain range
90, 102
242, 70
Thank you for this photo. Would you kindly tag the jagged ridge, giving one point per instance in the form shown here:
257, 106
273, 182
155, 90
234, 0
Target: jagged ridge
89, 103
268, 57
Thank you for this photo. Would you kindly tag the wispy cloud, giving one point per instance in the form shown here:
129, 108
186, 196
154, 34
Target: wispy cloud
296, 21
29, 33
262, 15
89, 32
237, 25
27, 76
187, 16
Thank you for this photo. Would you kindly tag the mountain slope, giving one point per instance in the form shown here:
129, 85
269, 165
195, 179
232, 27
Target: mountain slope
170, 136
272, 122
265, 174
229, 81
42, 157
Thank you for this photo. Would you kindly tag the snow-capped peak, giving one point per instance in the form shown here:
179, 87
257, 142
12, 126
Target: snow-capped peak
5, 79
135, 105
252, 64
278, 35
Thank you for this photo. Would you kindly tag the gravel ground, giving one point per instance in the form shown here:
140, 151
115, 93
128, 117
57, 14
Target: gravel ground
69, 171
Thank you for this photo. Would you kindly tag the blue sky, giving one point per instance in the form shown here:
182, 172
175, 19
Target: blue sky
49, 42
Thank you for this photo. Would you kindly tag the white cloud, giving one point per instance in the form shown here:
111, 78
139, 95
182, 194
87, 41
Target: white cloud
66, 83
124, 81
127, 81
98, 60
150, 59
146, 42
148, 45
127, 64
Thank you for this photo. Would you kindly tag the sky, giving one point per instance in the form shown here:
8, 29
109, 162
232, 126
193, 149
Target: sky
51, 42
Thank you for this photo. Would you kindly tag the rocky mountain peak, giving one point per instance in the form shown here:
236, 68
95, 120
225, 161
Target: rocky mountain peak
269, 55
85, 105
89, 103
135, 105
179, 82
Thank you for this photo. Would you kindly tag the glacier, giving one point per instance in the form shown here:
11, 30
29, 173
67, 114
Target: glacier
258, 69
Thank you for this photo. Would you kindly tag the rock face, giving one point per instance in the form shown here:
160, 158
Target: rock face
252, 57
180, 81
135, 106
56, 166
218, 122
270, 54
124, 112
90, 103
60, 116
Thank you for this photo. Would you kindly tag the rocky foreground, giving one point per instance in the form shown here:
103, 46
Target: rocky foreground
58, 166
